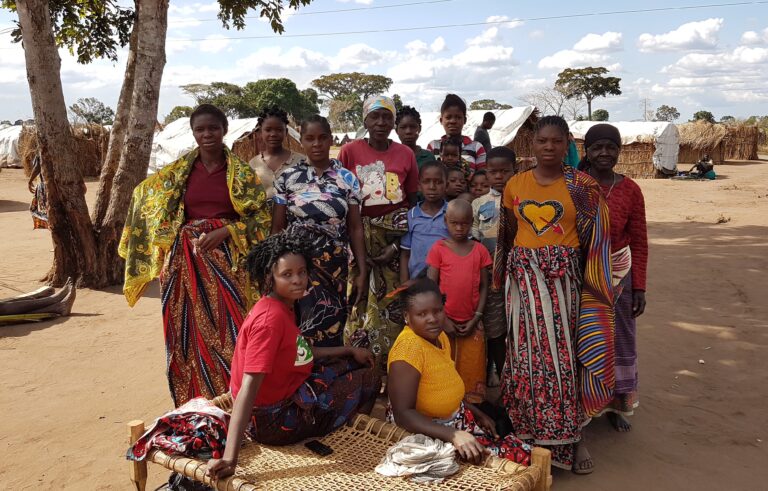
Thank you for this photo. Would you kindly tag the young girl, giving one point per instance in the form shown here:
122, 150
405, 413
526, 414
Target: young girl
453, 117
460, 266
457, 183
426, 392
274, 159
553, 257
478, 184
408, 129
450, 156
285, 390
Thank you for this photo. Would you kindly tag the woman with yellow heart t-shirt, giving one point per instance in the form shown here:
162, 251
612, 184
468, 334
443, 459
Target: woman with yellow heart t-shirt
553, 261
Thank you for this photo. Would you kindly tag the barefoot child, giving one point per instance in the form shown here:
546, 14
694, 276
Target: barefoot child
460, 266
426, 221
485, 211
284, 389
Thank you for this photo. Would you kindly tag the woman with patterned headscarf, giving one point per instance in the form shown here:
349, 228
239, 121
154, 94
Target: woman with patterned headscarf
190, 224
389, 178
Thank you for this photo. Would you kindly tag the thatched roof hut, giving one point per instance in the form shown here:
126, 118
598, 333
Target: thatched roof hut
741, 142
648, 150
91, 142
250, 144
699, 138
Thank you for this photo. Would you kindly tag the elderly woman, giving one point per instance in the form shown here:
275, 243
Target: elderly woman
388, 174
190, 224
629, 248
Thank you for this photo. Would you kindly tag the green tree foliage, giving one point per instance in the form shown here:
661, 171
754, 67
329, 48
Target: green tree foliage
587, 83
249, 100
348, 91
89, 29
667, 113
91, 110
398, 102
600, 115
727, 119
234, 12
704, 116
488, 105
178, 112
5, 122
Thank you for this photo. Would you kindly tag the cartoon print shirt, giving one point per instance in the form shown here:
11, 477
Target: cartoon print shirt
269, 342
545, 215
386, 178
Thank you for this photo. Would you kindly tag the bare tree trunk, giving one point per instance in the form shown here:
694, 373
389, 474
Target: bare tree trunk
117, 135
70, 225
589, 109
152, 21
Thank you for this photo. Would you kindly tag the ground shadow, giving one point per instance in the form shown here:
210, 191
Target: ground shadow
152, 291
9, 206
740, 163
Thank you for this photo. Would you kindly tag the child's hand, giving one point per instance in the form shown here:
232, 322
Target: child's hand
362, 356
386, 256
449, 327
220, 468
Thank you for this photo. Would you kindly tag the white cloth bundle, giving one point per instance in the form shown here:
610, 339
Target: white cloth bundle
424, 458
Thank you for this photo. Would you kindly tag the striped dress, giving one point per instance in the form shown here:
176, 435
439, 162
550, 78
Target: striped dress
553, 261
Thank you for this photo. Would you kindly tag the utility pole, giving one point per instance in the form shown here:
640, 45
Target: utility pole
647, 113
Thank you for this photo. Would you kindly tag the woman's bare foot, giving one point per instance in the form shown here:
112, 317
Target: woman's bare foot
582, 461
619, 422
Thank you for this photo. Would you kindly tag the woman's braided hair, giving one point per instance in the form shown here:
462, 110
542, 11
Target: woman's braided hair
406, 111
273, 112
266, 253
555, 121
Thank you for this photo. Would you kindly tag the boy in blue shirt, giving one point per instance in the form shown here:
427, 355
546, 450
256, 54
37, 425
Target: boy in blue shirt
426, 221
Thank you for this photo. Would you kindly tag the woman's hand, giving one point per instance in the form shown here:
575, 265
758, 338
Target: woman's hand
386, 256
211, 240
450, 328
359, 288
638, 303
31, 186
468, 447
220, 468
485, 422
362, 356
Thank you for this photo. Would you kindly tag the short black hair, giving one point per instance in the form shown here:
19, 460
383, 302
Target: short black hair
433, 164
273, 112
421, 285
478, 173
489, 116
316, 118
454, 141
213, 111
406, 111
266, 253
555, 121
501, 153
452, 100
449, 170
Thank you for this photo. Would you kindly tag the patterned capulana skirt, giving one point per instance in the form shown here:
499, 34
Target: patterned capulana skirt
539, 382
204, 303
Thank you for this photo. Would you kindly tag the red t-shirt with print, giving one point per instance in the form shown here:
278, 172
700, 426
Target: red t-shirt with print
270, 343
387, 178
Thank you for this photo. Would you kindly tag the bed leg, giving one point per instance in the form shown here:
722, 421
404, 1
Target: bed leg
138, 470
543, 458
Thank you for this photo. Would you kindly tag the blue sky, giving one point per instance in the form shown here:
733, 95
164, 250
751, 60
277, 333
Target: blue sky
707, 58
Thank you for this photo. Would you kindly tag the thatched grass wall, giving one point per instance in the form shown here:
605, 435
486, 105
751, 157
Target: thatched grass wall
762, 141
250, 145
699, 138
635, 160
91, 143
522, 144
741, 142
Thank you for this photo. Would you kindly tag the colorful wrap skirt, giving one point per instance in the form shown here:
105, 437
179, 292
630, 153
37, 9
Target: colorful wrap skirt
39, 207
204, 301
336, 390
539, 382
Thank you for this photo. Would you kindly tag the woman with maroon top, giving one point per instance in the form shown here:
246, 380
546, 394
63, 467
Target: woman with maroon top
389, 177
629, 248
190, 224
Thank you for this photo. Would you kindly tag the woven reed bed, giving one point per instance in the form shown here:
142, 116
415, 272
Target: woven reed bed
357, 450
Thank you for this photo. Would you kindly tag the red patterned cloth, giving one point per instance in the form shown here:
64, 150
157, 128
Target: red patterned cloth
628, 228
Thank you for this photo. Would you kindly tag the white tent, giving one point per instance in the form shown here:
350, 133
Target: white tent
9, 146
664, 136
504, 130
176, 139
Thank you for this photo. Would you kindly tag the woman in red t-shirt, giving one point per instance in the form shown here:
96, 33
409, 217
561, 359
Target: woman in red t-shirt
285, 390
389, 177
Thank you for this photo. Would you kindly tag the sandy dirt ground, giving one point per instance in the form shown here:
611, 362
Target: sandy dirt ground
69, 386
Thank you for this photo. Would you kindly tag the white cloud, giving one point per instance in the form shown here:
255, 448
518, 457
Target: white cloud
505, 21
417, 47
754, 38
362, 2
359, 56
487, 37
600, 43
701, 35
193, 8
438, 45
214, 43
569, 58
537, 34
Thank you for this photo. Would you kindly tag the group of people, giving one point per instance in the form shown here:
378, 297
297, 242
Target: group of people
296, 281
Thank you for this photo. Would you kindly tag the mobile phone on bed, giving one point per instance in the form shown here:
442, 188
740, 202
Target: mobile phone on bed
319, 448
